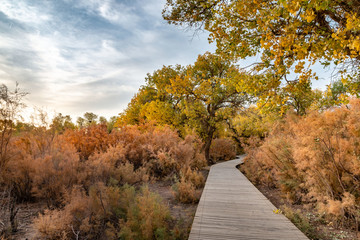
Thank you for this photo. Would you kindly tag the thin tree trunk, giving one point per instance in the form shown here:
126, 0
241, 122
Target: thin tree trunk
207, 145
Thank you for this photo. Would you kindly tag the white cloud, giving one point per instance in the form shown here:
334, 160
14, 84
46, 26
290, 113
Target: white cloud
22, 12
111, 10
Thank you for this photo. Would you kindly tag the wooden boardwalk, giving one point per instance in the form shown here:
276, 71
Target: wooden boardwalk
232, 208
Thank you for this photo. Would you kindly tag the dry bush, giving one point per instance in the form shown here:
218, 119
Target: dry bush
315, 159
185, 192
189, 153
92, 139
56, 172
195, 177
162, 165
44, 166
113, 165
158, 149
147, 218
187, 189
222, 149
107, 212
84, 216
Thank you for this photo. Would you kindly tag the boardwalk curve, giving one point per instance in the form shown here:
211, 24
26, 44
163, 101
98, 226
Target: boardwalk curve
231, 207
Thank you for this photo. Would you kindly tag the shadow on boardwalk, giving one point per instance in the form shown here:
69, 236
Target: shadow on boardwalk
231, 207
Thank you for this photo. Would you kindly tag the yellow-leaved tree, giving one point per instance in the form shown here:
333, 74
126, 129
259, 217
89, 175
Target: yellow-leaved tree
289, 35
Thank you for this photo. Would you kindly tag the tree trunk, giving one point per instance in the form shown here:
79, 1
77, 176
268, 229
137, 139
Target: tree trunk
207, 145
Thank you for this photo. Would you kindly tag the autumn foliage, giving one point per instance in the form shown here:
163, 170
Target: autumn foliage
314, 160
107, 212
90, 179
222, 149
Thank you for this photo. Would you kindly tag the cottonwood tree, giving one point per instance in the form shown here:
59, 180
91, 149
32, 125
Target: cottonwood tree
199, 97
289, 35
209, 95
153, 102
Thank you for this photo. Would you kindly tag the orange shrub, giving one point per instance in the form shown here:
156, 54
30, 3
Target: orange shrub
315, 159
195, 177
188, 153
44, 166
87, 141
185, 191
107, 213
222, 149
158, 149
113, 165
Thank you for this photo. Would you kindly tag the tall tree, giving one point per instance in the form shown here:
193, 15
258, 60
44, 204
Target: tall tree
200, 97
209, 95
288, 34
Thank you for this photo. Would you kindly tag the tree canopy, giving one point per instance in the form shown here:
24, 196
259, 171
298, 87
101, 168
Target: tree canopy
288, 34
197, 97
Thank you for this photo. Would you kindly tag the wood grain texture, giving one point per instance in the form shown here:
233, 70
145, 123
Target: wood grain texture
231, 207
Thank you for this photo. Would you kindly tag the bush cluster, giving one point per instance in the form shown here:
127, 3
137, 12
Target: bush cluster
222, 149
314, 160
89, 179
107, 212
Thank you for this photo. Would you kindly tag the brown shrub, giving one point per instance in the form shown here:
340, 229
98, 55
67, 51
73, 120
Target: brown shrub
44, 166
188, 153
158, 149
84, 215
107, 213
195, 177
185, 192
147, 218
315, 159
56, 172
92, 139
222, 149
113, 165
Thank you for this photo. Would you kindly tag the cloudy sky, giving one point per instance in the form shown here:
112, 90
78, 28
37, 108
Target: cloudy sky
75, 56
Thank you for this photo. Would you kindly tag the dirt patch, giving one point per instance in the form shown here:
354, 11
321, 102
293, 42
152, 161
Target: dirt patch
24, 219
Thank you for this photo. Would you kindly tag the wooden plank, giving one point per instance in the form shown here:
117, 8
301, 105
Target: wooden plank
231, 207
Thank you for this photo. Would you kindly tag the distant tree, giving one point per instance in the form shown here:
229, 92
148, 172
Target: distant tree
11, 103
60, 123
111, 123
103, 120
80, 122
90, 117
132, 115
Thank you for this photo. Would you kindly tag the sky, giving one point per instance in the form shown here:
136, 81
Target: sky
77, 56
